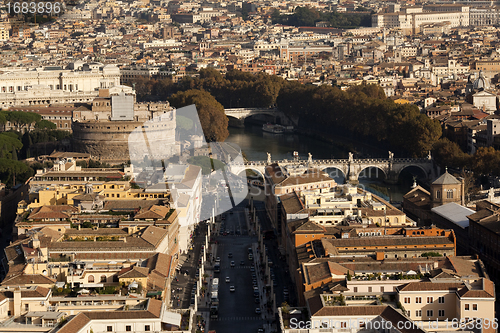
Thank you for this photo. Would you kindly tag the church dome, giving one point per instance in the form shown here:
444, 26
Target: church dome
481, 82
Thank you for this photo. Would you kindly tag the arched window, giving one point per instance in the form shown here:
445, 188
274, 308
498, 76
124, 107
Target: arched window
396, 220
103, 278
379, 220
449, 194
438, 194
91, 279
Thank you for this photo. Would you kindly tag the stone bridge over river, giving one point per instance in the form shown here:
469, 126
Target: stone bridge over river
351, 168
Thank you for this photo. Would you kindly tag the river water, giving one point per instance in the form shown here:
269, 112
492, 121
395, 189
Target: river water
255, 144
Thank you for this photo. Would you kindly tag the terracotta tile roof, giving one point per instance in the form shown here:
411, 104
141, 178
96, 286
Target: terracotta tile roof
427, 286
317, 272
154, 235
46, 212
131, 243
310, 176
75, 324
275, 172
28, 279
387, 312
465, 266
291, 203
337, 269
487, 291
153, 311
110, 255
153, 212
387, 241
160, 263
37, 292
135, 272
309, 227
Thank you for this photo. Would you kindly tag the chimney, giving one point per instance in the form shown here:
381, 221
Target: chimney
17, 301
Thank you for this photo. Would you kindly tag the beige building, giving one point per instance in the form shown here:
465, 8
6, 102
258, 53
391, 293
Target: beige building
430, 301
410, 19
78, 83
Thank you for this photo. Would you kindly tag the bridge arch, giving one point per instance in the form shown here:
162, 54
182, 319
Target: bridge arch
373, 170
244, 170
334, 172
414, 166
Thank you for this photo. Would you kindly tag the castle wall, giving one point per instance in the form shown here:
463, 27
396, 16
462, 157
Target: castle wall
108, 141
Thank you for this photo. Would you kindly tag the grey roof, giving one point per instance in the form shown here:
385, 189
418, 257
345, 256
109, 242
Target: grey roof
455, 213
446, 179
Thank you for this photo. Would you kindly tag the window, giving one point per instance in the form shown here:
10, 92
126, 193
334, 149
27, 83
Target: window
103, 278
91, 279
430, 300
355, 289
467, 307
441, 299
369, 289
408, 313
147, 328
441, 313
438, 194
418, 299
430, 313
381, 289
407, 300
26, 307
474, 307
128, 328
449, 194
418, 313
343, 324
109, 329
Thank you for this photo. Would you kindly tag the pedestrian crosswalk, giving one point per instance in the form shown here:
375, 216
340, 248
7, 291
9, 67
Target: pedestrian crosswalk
236, 318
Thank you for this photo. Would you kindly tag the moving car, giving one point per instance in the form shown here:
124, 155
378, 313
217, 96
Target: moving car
258, 311
232, 263
232, 288
228, 279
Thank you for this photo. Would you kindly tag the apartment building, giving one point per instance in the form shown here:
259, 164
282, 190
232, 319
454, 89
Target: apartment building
282, 180
151, 316
410, 19
484, 237
431, 301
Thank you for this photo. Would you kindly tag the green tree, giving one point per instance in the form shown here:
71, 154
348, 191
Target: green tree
449, 154
45, 124
211, 113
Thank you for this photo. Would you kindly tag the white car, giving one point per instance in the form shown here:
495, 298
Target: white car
228, 279
257, 311
232, 288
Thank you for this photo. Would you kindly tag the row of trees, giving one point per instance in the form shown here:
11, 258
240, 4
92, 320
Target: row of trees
361, 110
235, 89
305, 16
30, 131
485, 161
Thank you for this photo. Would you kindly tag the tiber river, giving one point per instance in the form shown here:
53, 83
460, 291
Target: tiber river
255, 144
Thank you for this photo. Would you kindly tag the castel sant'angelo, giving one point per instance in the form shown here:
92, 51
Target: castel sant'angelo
103, 131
